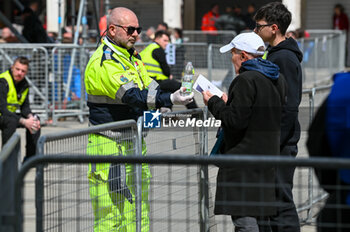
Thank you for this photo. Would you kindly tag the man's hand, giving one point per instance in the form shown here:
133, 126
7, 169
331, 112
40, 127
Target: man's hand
206, 96
177, 97
31, 123
224, 97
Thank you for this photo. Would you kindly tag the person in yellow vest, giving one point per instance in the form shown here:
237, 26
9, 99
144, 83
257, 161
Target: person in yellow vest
154, 58
14, 96
119, 88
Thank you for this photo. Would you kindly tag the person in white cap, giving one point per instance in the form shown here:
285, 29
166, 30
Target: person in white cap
250, 124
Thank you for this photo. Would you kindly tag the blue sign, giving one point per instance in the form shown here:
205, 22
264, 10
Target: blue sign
151, 119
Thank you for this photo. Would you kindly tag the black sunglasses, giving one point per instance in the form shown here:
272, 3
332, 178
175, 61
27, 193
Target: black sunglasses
130, 30
259, 27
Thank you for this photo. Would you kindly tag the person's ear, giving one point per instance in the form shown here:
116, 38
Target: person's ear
274, 28
112, 30
244, 56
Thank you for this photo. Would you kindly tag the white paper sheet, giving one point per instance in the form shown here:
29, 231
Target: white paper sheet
202, 84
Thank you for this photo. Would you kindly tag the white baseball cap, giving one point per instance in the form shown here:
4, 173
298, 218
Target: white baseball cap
249, 42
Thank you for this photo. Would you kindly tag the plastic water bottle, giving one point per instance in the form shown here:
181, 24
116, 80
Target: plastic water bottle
187, 79
36, 119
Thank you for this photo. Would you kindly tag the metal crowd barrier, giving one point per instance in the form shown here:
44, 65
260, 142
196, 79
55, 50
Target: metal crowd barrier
183, 201
319, 33
68, 96
51, 196
323, 55
173, 139
209, 37
306, 203
9, 163
63, 190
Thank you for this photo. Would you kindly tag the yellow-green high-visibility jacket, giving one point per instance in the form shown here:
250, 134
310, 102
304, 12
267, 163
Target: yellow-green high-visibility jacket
118, 85
152, 65
13, 103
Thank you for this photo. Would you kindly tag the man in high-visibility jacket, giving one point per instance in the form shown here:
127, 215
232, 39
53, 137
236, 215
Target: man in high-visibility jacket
14, 96
208, 20
154, 58
119, 88
208, 23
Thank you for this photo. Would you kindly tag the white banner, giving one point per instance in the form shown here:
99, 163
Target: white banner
170, 54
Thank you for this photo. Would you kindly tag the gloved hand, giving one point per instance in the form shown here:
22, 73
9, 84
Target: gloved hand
177, 98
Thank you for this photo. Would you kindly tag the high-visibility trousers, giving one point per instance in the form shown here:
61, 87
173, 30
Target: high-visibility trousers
114, 209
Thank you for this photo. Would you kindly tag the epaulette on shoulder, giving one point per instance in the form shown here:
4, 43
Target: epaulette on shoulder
107, 54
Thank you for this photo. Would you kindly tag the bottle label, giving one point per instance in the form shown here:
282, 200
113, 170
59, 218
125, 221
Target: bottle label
188, 86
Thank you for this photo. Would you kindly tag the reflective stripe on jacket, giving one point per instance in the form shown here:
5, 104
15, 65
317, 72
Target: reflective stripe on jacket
13, 103
152, 65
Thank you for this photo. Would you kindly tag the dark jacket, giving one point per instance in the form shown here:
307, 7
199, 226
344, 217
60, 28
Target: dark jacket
329, 136
329, 132
251, 123
318, 146
288, 57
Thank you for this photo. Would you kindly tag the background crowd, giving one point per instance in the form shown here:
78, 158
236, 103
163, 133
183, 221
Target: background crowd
31, 24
